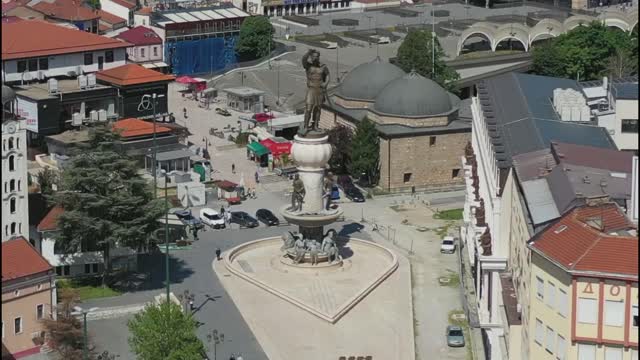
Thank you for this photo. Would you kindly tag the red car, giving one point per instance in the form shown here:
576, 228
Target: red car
262, 117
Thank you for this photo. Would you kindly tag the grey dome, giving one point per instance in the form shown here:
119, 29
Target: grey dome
414, 95
7, 94
366, 80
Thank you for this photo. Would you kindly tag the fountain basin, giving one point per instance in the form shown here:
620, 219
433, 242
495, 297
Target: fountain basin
311, 220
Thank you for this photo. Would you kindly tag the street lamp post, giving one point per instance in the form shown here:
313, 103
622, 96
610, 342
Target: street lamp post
166, 235
216, 338
278, 86
433, 42
154, 97
78, 311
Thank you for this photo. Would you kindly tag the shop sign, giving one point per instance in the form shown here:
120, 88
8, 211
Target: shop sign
28, 110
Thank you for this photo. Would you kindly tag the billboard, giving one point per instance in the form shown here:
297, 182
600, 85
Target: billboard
28, 110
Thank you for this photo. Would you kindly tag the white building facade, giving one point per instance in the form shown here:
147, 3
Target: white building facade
15, 204
120, 8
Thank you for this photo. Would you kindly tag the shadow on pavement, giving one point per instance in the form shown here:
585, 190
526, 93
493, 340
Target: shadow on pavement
151, 273
349, 229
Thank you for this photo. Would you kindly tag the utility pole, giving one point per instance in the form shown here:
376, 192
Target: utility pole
278, 86
155, 150
166, 236
80, 311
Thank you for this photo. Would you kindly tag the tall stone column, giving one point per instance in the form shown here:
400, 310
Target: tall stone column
311, 155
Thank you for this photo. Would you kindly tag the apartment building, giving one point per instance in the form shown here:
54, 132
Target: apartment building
584, 293
28, 296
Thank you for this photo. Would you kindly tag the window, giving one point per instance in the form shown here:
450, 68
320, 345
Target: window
539, 288
17, 325
634, 315
612, 353
39, 312
62, 270
551, 294
563, 303
12, 163
108, 56
44, 63
407, 177
614, 313
19, 185
33, 64
586, 352
539, 332
22, 66
142, 52
155, 51
10, 143
549, 340
87, 268
94, 267
455, 173
587, 310
432, 140
561, 348
12, 205
12, 185
13, 228
629, 125
88, 58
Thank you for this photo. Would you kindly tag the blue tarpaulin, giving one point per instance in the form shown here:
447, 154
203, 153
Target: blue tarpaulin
201, 56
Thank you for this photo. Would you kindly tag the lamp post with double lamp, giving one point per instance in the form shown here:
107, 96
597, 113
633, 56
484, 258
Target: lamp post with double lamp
166, 234
154, 98
216, 338
80, 311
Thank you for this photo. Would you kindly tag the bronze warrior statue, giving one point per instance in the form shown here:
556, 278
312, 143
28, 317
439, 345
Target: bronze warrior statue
317, 80
297, 196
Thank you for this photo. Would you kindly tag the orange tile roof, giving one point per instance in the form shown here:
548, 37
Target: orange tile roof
110, 18
66, 10
20, 259
135, 127
581, 248
31, 38
132, 74
50, 221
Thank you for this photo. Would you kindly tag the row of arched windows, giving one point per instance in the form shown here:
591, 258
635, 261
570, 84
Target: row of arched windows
8, 144
10, 186
13, 229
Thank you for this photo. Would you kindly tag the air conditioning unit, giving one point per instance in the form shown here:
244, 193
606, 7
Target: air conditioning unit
102, 115
91, 80
82, 82
93, 115
76, 119
53, 86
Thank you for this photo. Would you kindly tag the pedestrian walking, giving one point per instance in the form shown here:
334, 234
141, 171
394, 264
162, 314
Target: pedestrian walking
184, 112
222, 211
257, 178
233, 168
218, 253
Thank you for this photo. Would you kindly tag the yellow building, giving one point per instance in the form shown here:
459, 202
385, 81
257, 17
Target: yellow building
584, 287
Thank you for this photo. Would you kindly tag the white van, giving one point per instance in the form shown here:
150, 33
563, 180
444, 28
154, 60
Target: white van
212, 218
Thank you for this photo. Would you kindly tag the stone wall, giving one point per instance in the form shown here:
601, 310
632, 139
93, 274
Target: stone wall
425, 165
442, 120
352, 104
330, 119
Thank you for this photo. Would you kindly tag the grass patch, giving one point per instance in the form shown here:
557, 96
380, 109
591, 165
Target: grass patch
453, 214
444, 230
88, 288
452, 277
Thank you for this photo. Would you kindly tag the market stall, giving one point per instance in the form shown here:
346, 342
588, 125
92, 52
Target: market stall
229, 191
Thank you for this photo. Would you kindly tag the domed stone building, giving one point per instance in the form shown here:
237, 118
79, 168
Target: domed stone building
423, 129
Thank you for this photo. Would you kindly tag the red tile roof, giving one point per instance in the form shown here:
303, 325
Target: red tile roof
145, 11
132, 74
20, 259
66, 10
593, 157
577, 246
110, 18
135, 127
140, 35
50, 221
31, 38
124, 3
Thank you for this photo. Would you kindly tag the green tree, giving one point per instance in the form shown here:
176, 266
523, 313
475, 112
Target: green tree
586, 52
416, 53
95, 4
47, 178
256, 38
164, 332
106, 203
365, 151
340, 138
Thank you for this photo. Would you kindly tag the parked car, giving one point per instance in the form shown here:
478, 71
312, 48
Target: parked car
212, 218
286, 171
223, 112
188, 219
267, 217
345, 181
448, 245
455, 336
335, 192
243, 219
354, 194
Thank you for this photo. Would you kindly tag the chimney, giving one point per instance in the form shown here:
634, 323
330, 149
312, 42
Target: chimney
605, 83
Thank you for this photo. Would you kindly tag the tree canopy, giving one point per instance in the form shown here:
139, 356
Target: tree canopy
416, 53
256, 38
588, 53
106, 203
365, 151
164, 332
340, 138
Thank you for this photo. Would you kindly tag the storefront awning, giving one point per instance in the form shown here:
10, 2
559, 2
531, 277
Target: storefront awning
257, 148
277, 148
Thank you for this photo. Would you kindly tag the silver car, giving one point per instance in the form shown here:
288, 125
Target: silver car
455, 336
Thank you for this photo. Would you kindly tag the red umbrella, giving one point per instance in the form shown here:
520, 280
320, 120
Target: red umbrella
186, 80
